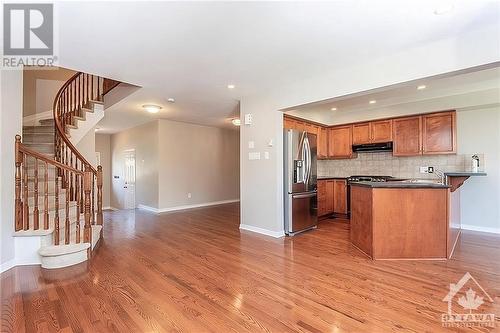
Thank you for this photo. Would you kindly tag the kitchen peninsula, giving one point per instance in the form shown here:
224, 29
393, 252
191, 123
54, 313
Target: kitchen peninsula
407, 220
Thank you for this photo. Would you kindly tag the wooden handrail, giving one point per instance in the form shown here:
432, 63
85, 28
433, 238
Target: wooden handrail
37, 155
62, 110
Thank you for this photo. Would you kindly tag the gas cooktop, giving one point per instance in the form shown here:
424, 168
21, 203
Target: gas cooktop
369, 178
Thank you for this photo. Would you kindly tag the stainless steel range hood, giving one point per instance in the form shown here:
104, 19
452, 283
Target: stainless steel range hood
372, 147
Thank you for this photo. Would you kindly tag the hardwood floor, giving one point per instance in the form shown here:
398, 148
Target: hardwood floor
195, 271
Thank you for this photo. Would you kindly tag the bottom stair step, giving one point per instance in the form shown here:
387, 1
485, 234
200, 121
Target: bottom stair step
58, 256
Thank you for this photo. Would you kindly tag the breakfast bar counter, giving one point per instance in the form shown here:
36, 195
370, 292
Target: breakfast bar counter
401, 220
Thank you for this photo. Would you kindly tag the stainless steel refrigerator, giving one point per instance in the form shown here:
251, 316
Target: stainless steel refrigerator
301, 202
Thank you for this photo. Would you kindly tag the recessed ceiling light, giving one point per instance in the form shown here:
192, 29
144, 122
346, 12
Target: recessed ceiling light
151, 108
443, 8
333, 109
231, 86
373, 101
171, 100
422, 87
236, 122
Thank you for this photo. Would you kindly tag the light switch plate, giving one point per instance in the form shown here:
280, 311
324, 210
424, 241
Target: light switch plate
254, 156
266, 155
251, 145
248, 119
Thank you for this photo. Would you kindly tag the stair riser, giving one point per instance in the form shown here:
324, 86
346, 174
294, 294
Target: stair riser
47, 122
64, 260
41, 148
38, 138
38, 129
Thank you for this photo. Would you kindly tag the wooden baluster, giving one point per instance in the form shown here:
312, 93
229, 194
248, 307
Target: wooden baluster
36, 213
99, 195
26, 218
66, 175
66, 220
82, 201
71, 188
46, 198
18, 201
77, 180
93, 199
87, 186
92, 87
56, 214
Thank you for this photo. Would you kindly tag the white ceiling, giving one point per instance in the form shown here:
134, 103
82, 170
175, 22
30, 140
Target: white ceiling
191, 50
464, 90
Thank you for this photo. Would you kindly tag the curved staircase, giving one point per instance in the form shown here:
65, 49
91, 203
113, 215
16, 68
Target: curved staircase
58, 204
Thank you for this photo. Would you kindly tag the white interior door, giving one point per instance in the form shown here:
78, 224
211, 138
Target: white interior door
129, 177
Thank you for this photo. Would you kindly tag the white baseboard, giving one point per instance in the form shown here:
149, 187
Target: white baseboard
275, 234
33, 120
184, 207
481, 229
7, 265
109, 208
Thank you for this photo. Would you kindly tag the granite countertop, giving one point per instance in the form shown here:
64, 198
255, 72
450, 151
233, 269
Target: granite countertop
402, 184
464, 174
328, 177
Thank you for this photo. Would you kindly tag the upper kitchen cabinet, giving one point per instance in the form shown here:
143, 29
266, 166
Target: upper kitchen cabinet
372, 132
381, 131
289, 123
407, 136
439, 133
322, 142
340, 142
361, 133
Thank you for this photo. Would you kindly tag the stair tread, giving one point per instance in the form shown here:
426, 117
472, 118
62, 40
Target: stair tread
57, 250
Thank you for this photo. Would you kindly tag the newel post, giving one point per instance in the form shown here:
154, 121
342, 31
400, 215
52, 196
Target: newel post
18, 203
99, 195
87, 187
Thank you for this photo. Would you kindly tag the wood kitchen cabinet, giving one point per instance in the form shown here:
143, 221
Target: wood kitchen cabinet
361, 133
439, 134
340, 196
372, 132
322, 142
340, 142
381, 131
332, 197
407, 136
430, 134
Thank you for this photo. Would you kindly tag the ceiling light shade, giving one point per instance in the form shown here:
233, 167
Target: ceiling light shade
333, 109
421, 87
151, 108
443, 8
236, 122
171, 100
373, 101
231, 86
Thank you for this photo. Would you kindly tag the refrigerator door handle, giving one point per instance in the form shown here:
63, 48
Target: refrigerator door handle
308, 159
304, 195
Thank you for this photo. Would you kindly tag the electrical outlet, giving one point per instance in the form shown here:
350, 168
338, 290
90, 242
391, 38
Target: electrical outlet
189, 195
426, 169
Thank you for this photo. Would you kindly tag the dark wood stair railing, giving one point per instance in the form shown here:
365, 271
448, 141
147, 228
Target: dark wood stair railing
22, 199
72, 172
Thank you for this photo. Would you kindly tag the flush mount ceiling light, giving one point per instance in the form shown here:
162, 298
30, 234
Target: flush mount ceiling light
236, 122
231, 86
422, 87
151, 108
373, 101
171, 100
443, 8
333, 109
96, 129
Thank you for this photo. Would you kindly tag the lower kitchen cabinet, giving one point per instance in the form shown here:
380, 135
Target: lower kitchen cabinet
332, 197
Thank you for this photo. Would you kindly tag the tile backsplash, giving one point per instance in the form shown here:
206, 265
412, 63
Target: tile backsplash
384, 164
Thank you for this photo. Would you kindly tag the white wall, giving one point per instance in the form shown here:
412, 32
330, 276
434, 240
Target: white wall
479, 132
196, 159
11, 113
144, 140
261, 180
